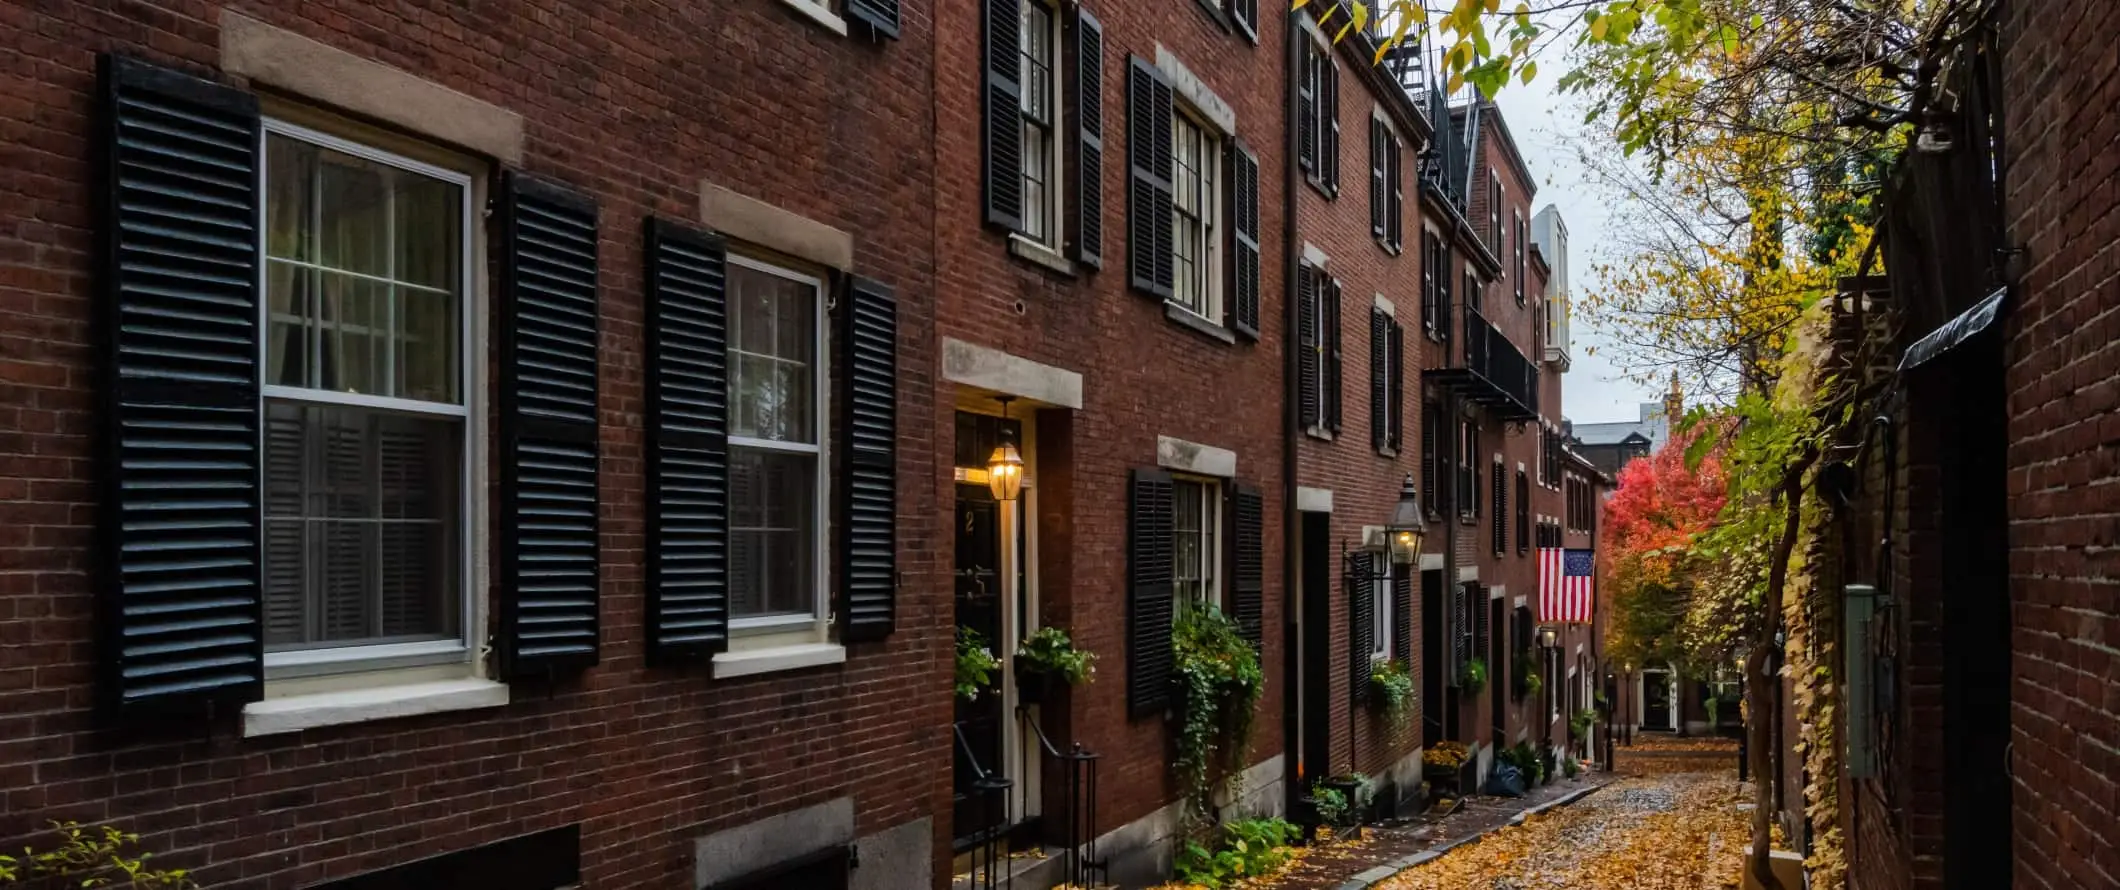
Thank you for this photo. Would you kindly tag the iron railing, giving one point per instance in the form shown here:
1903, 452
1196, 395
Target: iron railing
1078, 817
990, 863
1512, 379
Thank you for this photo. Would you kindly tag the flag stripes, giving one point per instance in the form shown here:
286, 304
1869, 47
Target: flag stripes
1564, 585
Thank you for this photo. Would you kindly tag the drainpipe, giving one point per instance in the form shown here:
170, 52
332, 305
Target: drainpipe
1291, 436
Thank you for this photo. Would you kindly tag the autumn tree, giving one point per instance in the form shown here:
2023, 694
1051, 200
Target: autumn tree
1661, 506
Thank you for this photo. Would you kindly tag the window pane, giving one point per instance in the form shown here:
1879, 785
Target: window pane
772, 356
364, 275
772, 528
361, 536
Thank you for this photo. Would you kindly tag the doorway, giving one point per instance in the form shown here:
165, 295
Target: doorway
1314, 653
1435, 655
995, 599
1658, 700
1500, 670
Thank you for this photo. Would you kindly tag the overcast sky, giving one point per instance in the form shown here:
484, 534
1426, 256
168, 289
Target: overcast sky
1546, 126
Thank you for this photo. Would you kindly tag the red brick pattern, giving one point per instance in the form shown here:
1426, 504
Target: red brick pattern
634, 104
2060, 83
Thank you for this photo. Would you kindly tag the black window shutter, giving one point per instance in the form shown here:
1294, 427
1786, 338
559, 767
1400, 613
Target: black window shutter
1394, 167
1397, 386
1376, 178
1460, 627
1361, 630
1498, 486
1150, 265
1331, 107
1335, 364
868, 434
688, 443
880, 16
1428, 269
1149, 602
1523, 512
1002, 95
1246, 15
1244, 260
1307, 111
1088, 206
1248, 563
180, 599
1309, 349
1379, 383
1402, 615
1444, 280
1431, 425
549, 482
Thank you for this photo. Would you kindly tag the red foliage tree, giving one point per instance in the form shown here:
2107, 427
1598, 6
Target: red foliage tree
1661, 503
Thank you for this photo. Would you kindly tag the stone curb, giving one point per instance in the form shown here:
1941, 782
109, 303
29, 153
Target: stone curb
1380, 873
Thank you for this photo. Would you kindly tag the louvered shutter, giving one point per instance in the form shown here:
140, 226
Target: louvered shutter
1397, 387
1395, 178
1247, 537
1379, 383
1310, 406
1361, 630
1150, 241
1460, 630
1002, 112
879, 16
1429, 260
1335, 365
1307, 111
1431, 428
1443, 281
1244, 260
1523, 512
549, 496
1087, 209
1376, 178
1330, 106
1498, 486
1482, 635
1402, 616
688, 443
1150, 594
1246, 14
180, 598
868, 495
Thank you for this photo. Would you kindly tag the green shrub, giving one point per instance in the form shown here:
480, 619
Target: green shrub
1246, 849
1050, 649
1332, 806
92, 857
1219, 687
1392, 685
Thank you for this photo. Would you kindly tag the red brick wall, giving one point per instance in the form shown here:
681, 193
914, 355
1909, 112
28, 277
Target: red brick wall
1142, 374
2063, 358
1516, 572
1364, 481
634, 103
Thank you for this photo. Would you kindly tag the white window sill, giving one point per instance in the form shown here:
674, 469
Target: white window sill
819, 13
1190, 319
1040, 253
295, 713
744, 663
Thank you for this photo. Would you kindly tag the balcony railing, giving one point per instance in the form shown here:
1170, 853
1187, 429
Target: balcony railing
1492, 371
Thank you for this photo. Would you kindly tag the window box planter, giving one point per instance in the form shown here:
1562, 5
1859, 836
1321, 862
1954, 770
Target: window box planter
1035, 685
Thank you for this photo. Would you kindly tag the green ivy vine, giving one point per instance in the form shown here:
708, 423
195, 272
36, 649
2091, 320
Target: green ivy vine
1219, 684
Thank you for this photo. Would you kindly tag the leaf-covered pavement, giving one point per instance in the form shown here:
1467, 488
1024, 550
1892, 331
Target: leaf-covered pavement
1672, 826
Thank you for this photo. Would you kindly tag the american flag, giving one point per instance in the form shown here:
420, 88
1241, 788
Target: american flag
1564, 585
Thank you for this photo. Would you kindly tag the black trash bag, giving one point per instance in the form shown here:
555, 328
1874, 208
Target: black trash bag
1505, 781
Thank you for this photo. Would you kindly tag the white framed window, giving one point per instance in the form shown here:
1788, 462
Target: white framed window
1196, 516
777, 458
1042, 202
368, 400
1380, 605
1197, 153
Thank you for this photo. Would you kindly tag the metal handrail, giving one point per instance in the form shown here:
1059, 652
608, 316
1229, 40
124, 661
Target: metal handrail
1080, 835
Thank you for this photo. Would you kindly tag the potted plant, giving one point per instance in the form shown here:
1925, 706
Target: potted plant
1046, 662
1444, 765
1528, 682
976, 664
1472, 676
1391, 691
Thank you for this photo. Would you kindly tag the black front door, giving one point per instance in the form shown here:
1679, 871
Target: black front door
980, 586
1501, 669
1316, 621
1656, 700
1435, 658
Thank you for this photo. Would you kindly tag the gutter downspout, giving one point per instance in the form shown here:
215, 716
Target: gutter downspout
1291, 437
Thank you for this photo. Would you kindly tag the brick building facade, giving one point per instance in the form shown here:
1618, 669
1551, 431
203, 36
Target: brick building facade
576, 686
555, 446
